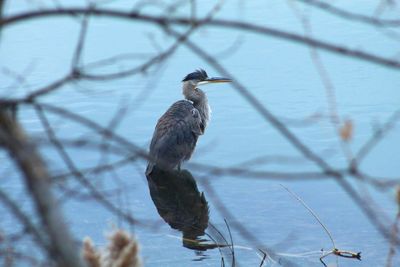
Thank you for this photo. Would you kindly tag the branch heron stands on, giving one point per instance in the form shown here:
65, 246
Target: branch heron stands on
177, 131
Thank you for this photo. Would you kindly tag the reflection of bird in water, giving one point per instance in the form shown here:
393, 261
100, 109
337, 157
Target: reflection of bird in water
177, 131
180, 204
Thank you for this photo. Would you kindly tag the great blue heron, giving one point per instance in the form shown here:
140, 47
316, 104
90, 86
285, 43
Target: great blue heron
177, 131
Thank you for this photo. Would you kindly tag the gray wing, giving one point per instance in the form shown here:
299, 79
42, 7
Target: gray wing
175, 135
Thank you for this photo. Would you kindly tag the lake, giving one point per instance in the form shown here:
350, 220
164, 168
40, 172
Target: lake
281, 74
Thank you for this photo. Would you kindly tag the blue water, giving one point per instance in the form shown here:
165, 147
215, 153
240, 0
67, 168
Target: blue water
279, 73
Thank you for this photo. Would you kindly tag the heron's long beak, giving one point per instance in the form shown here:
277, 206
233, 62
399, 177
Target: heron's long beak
216, 80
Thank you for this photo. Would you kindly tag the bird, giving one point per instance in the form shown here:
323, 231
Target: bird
176, 133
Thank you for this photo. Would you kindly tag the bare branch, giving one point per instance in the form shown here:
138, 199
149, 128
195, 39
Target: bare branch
40, 92
375, 138
25, 220
164, 21
38, 182
79, 47
78, 174
325, 6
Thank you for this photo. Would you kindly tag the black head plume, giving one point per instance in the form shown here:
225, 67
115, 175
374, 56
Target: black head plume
199, 74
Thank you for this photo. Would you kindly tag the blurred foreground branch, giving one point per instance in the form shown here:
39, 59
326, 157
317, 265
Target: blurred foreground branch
37, 180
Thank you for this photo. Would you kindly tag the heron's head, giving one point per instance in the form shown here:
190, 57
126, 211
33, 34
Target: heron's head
199, 77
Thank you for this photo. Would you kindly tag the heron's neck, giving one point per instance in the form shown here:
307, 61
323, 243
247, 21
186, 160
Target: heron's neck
203, 108
199, 99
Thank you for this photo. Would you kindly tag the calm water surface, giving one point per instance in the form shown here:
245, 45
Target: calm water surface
283, 78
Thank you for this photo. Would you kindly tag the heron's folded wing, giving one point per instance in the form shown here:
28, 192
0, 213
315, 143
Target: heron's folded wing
176, 134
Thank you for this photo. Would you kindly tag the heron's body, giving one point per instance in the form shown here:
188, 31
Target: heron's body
177, 131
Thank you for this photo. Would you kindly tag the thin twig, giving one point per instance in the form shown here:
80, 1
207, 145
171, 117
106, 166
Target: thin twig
312, 213
79, 175
231, 239
263, 258
327, 7
376, 138
79, 46
25, 221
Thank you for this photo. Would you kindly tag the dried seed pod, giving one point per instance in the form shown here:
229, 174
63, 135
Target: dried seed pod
91, 256
346, 131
